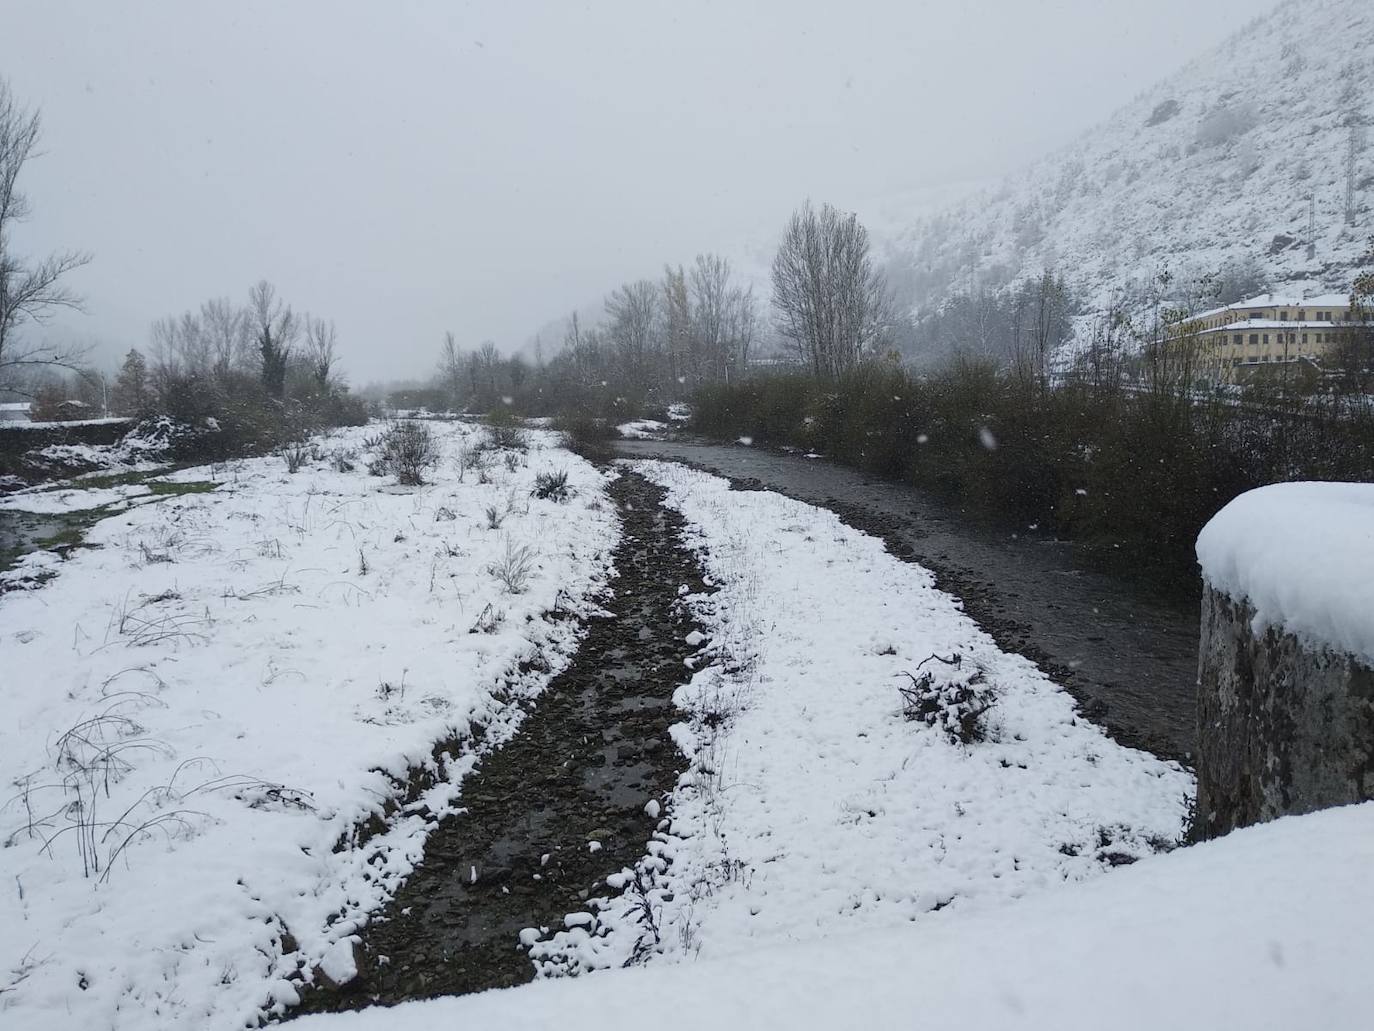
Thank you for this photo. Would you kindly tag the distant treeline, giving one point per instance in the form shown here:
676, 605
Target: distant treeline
243, 378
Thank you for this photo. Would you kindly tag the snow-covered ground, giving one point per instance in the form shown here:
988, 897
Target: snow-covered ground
812, 805
200, 707
642, 429
882, 819
1265, 930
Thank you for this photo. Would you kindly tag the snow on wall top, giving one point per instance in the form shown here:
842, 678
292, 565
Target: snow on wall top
1303, 555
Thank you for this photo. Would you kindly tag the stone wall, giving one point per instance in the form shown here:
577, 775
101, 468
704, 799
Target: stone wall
1284, 727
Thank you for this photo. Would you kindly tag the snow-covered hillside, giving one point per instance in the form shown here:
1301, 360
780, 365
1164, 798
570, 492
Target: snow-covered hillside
1221, 166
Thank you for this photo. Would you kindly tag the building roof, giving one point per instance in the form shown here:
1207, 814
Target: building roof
1272, 324
1279, 301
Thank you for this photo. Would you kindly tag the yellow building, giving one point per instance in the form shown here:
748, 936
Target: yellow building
1267, 330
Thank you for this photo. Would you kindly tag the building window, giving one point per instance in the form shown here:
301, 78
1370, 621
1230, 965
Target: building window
1266, 338
1240, 339
1257, 314
1302, 315
1283, 316
1304, 338
1254, 339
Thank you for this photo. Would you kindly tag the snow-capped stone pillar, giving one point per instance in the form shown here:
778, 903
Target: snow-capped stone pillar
1286, 664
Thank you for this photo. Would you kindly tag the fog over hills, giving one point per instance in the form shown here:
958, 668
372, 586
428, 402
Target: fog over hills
1252, 163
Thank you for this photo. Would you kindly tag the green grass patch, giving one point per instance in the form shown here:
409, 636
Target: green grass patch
162, 488
66, 538
104, 481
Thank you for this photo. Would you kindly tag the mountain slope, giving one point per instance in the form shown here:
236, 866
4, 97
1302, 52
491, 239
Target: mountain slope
1219, 169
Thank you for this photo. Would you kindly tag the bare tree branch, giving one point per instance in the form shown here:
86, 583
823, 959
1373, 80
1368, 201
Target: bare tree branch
29, 292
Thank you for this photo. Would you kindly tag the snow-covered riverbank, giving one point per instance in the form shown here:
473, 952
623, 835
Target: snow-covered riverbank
817, 800
204, 703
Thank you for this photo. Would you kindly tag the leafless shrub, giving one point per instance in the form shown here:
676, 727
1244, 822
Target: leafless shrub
295, 457
514, 568
342, 460
487, 620
953, 702
496, 516
408, 449
505, 438
152, 556
470, 457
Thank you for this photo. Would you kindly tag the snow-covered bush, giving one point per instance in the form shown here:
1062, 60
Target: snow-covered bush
949, 699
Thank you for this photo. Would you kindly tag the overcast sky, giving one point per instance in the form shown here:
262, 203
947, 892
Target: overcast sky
414, 166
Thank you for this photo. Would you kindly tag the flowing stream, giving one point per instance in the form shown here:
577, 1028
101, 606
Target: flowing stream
1128, 655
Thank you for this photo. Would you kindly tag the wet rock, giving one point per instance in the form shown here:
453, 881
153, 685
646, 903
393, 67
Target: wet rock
340, 964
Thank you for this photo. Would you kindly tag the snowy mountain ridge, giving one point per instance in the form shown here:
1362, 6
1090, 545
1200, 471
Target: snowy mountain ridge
1251, 163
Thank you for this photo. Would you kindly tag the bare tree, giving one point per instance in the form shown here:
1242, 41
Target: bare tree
484, 366
633, 311
829, 298
583, 350
451, 370
275, 329
723, 319
1042, 308
228, 342
29, 292
677, 327
1353, 357
320, 356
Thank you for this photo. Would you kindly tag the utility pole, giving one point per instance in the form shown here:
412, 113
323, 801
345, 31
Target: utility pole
1352, 160
1311, 226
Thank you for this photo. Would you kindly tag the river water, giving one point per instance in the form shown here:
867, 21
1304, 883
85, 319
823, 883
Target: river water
1128, 655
